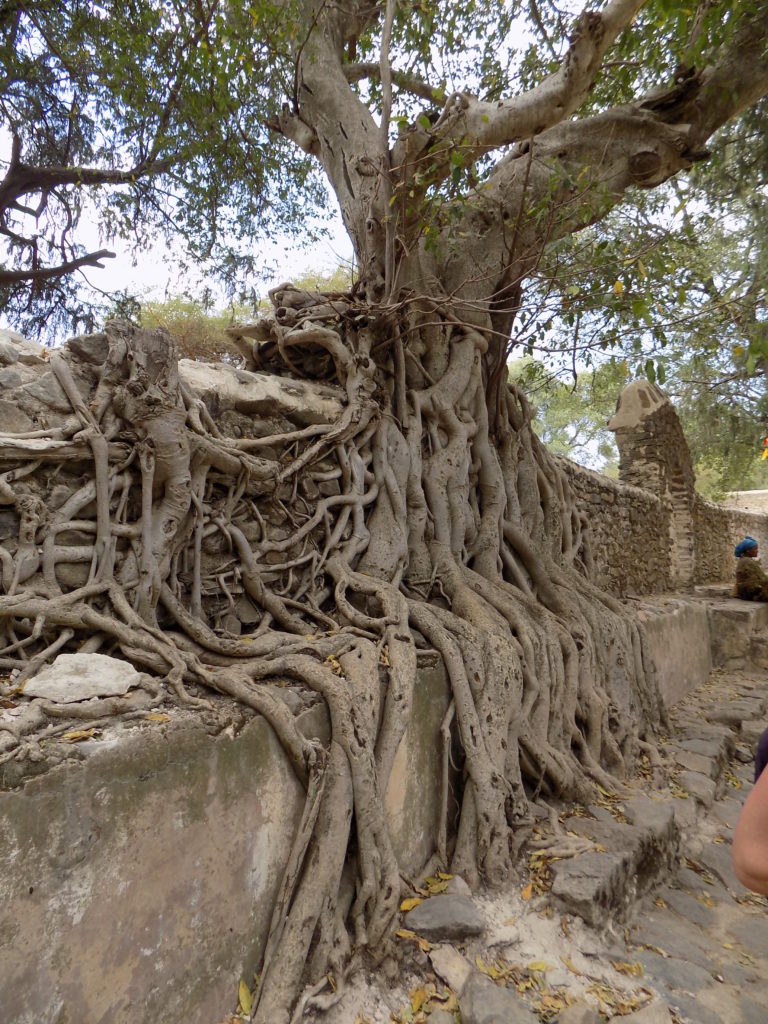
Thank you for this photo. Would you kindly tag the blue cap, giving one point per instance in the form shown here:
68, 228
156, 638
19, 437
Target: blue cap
744, 545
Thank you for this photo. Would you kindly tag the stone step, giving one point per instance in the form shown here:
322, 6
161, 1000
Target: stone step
733, 624
634, 847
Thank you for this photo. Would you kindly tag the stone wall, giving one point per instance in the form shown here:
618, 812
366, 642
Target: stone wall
650, 531
717, 530
138, 875
628, 532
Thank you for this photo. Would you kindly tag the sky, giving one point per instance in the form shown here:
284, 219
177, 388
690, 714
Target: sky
154, 274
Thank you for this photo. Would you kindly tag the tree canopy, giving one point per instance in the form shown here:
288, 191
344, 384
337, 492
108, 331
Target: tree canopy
143, 121
479, 156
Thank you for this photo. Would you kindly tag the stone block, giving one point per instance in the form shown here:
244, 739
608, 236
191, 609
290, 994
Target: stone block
225, 387
137, 885
701, 788
446, 917
482, 1002
678, 638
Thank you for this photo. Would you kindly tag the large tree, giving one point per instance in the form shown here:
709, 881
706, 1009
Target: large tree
428, 514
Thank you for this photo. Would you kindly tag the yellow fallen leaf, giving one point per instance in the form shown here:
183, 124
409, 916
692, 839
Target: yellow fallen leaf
158, 716
244, 995
633, 969
409, 904
406, 933
419, 996
548, 1002
78, 735
445, 877
527, 891
571, 966
540, 965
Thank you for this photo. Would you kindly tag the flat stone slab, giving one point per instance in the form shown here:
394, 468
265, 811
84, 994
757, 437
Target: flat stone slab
717, 858
736, 711
675, 974
250, 392
701, 788
446, 917
689, 908
482, 1002
663, 931
451, 966
76, 677
752, 933
708, 766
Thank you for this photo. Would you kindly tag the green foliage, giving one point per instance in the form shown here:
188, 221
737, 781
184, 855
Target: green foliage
572, 415
199, 327
150, 117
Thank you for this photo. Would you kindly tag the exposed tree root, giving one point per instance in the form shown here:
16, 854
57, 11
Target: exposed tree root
411, 522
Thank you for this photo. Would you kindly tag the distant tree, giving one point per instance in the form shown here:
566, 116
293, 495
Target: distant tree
571, 416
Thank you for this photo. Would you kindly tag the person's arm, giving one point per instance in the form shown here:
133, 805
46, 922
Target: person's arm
750, 840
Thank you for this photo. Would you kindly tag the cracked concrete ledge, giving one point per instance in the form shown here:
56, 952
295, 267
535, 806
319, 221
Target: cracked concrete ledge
138, 869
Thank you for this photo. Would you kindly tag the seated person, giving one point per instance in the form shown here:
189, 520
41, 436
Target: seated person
751, 581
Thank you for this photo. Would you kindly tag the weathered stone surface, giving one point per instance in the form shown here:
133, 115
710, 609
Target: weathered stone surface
23, 350
701, 788
726, 812
75, 677
458, 885
482, 1002
137, 885
690, 1009
656, 1013
717, 858
675, 938
751, 932
225, 387
715, 749
688, 907
594, 885
677, 975
658, 816
578, 1013
441, 1017
451, 966
91, 348
697, 763
677, 636
685, 810
14, 420
736, 711
446, 917
412, 799
752, 1012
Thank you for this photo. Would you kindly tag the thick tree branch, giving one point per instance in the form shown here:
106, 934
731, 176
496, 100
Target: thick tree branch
574, 173
21, 178
408, 83
47, 273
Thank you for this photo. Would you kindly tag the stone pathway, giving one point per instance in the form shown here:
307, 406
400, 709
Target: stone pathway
646, 924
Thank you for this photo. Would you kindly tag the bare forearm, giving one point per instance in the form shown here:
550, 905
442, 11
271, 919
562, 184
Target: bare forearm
750, 840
